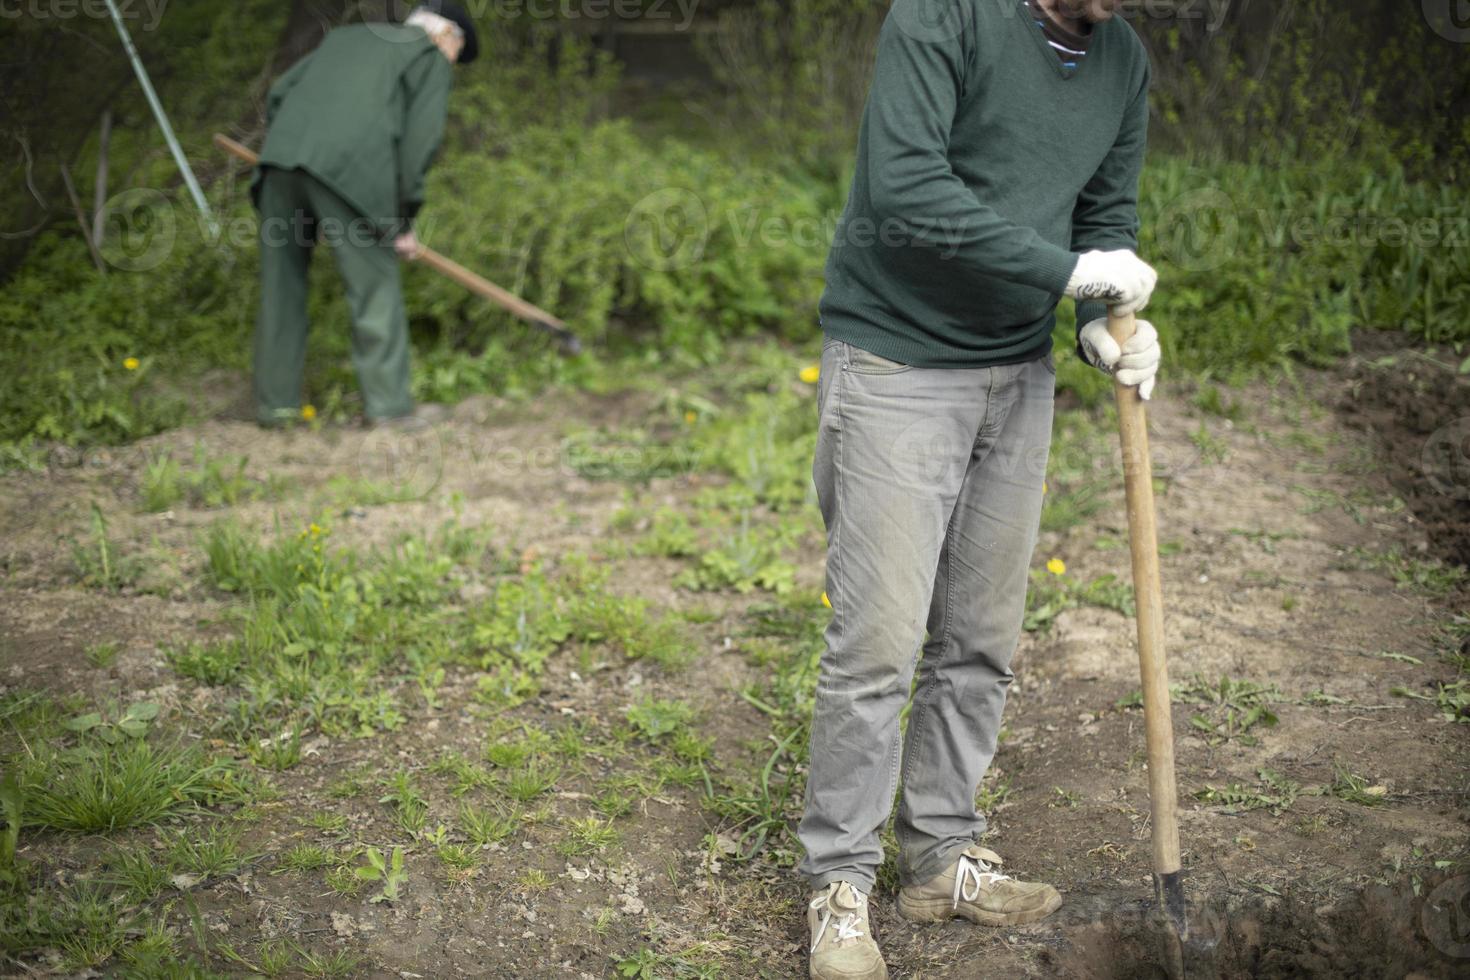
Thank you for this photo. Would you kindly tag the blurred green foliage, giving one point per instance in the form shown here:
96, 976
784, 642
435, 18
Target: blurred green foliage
659, 249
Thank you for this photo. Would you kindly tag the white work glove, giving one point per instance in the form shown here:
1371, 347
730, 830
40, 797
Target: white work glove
1120, 279
1134, 364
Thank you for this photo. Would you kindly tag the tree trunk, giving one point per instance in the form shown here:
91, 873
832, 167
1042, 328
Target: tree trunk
308, 24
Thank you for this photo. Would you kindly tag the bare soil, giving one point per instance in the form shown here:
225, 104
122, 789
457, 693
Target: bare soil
1266, 530
1414, 400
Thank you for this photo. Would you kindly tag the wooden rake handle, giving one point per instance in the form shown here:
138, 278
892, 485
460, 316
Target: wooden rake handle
476, 284
1163, 796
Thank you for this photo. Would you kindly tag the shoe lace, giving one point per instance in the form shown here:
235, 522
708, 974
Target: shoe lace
848, 924
971, 875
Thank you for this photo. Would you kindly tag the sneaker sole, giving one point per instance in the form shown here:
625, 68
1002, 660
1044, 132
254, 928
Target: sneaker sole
882, 974
942, 910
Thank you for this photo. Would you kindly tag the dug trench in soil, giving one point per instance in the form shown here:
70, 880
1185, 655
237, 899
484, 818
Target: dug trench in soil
1385, 931
1413, 399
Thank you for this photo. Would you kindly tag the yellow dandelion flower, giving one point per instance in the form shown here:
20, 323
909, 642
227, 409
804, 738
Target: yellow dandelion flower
825, 601
1043, 486
132, 363
308, 412
689, 417
315, 529
810, 374
1056, 566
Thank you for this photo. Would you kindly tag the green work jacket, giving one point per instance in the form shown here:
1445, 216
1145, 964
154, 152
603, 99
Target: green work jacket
364, 114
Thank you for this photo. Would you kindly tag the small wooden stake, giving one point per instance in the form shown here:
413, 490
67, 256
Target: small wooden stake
99, 189
76, 203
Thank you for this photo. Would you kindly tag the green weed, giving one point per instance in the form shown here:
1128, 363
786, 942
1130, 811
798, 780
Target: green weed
102, 655
587, 835
656, 718
217, 852
386, 871
99, 563
1353, 788
1452, 700
746, 560
487, 825
1428, 575
302, 858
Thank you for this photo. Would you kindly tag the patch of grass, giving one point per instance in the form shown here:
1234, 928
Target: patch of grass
137, 872
457, 858
992, 793
1211, 447
209, 483
272, 958
344, 881
103, 654
531, 781
1428, 575
410, 807
1050, 594
99, 787
670, 535
84, 922
534, 880
97, 560
327, 822
278, 753
598, 616
587, 835
1353, 788
1211, 399
213, 664
337, 963
488, 825
302, 858
613, 803
510, 755
746, 559
217, 851
466, 775
1266, 539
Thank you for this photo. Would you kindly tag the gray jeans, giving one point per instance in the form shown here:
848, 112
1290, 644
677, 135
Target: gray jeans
930, 483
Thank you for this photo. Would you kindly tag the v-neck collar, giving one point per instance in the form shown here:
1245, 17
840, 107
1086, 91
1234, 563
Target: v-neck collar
1039, 35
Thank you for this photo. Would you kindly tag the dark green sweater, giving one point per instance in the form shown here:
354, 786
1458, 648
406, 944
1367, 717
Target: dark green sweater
364, 114
983, 165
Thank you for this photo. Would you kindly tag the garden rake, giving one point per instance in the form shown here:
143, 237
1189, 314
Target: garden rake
478, 285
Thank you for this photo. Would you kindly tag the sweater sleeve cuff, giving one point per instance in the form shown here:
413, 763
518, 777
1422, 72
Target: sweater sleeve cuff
1087, 311
1054, 269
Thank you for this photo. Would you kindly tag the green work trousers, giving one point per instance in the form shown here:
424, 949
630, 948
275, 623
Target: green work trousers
296, 212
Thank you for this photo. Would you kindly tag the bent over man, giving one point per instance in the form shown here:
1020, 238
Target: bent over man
997, 171
353, 128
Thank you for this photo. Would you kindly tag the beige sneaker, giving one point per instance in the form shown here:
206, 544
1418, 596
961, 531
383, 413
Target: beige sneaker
972, 889
842, 943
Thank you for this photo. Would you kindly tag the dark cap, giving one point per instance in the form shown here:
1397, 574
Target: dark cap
450, 10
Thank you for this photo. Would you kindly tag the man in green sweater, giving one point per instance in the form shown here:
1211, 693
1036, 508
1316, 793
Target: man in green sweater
997, 171
353, 127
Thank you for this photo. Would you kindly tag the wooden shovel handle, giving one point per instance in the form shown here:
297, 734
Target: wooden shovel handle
1148, 595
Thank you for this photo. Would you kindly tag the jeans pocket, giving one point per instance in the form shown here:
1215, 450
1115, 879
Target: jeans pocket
1049, 361
861, 361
